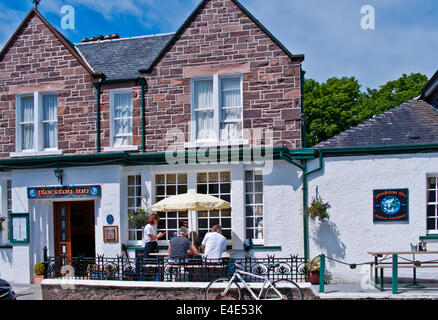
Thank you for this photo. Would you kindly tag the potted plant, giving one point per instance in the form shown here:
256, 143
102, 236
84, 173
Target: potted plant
93, 271
318, 208
111, 270
139, 218
38, 270
312, 269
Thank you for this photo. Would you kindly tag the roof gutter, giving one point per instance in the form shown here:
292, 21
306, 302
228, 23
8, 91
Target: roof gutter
379, 150
134, 159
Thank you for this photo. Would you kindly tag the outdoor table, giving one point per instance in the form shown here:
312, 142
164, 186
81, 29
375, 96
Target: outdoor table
414, 266
159, 254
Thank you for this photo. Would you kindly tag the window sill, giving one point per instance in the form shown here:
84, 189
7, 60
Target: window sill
429, 237
35, 154
209, 144
119, 149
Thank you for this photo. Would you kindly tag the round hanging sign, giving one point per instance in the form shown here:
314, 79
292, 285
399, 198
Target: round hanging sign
110, 219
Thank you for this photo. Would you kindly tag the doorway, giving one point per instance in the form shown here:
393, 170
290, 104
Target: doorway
74, 228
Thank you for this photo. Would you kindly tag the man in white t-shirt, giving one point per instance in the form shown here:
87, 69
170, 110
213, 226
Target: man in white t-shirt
214, 243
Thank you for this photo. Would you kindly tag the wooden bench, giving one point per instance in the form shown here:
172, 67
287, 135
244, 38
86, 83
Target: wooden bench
396, 264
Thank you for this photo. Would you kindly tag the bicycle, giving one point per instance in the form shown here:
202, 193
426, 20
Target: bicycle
282, 289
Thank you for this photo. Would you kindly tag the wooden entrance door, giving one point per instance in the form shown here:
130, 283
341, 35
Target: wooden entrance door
62, 229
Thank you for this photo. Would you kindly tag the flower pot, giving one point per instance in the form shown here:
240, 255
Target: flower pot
37, 279
313, 277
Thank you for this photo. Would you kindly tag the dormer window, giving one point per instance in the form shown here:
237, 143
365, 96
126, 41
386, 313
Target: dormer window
217, 108
121, 120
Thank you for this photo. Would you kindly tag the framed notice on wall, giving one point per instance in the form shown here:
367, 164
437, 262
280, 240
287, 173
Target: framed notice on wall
111, 234
19, 227
391, 205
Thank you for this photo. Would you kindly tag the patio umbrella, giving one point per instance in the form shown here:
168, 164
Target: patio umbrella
190, 202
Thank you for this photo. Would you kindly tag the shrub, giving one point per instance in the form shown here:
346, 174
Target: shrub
39, 269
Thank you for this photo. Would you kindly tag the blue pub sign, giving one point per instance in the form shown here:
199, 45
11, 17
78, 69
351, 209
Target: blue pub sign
391, 205
64, 192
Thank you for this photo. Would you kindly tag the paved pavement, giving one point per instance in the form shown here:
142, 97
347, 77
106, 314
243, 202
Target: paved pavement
355, 291
27, 291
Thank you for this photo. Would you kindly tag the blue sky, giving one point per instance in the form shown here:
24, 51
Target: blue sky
327, 32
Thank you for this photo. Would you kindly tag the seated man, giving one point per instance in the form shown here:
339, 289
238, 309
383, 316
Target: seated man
214, 243
180, 247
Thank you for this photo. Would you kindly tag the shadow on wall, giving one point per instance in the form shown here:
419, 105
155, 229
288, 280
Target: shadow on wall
326, 235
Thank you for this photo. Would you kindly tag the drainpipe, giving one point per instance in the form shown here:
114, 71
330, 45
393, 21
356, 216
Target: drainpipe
142, 83
98, 91
305, 186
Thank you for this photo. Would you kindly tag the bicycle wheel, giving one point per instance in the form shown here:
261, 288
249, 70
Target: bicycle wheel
216, 288
289, 291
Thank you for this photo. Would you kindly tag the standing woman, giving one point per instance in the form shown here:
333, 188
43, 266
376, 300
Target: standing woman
150, 235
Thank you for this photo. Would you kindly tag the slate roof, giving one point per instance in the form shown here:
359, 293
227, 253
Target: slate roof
413, 122
123, 58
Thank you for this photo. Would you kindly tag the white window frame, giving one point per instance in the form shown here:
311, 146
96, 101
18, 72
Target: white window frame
435, 203
130, 147
135, 207
6, 208
253, 204
217, 103
220, 217
165, 242
38, 138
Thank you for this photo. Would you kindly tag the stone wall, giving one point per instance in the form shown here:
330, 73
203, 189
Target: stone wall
37, 61
222, 39
90, 292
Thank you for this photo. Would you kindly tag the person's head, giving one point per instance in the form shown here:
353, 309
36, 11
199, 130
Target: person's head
153, 219
216, 228
183, 232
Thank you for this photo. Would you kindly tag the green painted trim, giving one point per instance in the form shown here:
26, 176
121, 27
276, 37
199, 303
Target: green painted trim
379, 150
136, 159
394, 274
98, 87
11, 218
262, 247
143, 125
322, 273
429, 237
115, 81
305, 220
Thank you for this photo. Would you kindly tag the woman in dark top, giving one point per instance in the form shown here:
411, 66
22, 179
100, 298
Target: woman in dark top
180, 247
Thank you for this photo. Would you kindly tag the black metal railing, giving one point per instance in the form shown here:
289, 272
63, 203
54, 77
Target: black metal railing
165, 269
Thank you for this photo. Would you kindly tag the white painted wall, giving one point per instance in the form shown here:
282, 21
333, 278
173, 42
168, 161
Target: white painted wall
41, 212
282, 208
347, 183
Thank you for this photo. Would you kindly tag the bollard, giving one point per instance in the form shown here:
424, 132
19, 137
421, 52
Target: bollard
321, 273
394, 274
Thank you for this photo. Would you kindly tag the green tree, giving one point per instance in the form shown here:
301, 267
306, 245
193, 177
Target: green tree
338, 104
329, 107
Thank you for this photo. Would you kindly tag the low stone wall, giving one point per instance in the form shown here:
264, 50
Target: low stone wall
108, 290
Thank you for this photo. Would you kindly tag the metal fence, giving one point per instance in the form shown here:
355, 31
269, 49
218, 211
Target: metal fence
164, 269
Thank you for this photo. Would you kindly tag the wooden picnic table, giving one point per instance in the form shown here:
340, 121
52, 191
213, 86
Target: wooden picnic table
414, 265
